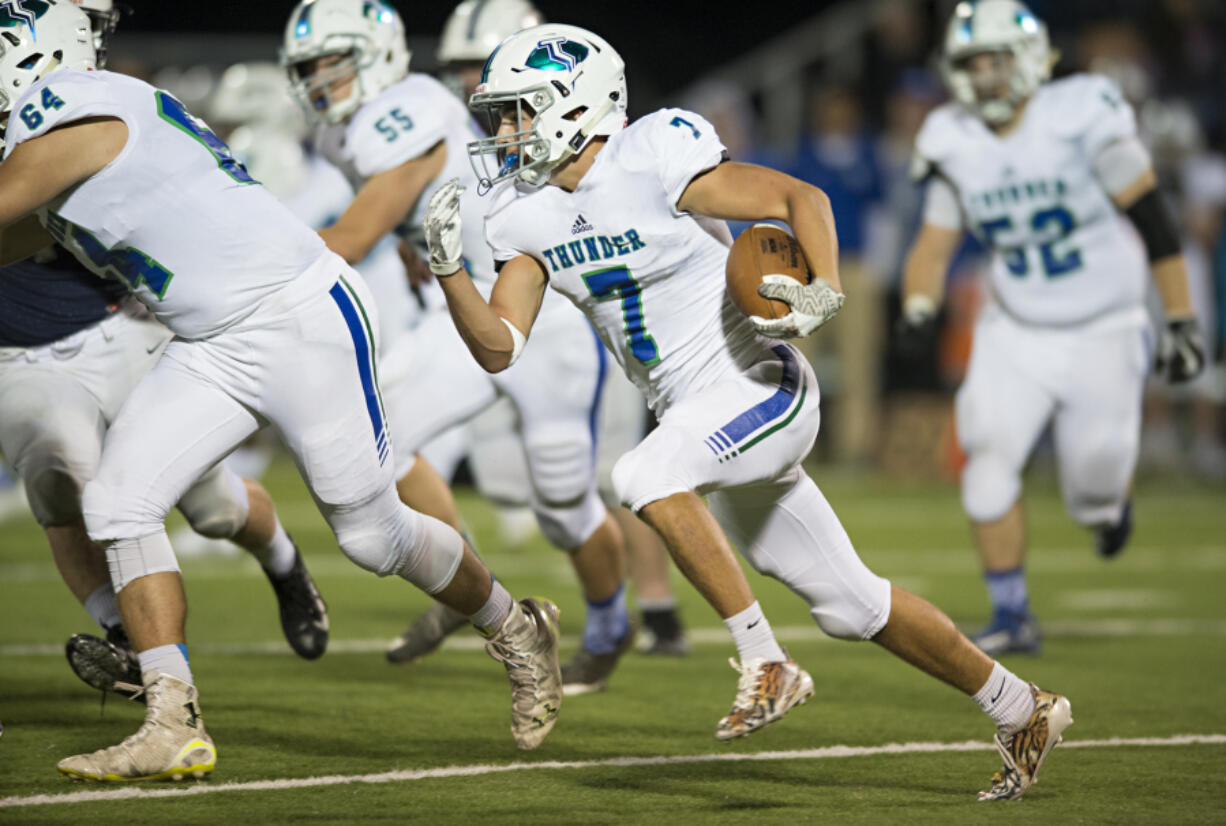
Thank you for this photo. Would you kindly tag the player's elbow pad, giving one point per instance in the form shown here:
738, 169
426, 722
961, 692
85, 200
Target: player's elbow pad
1153, 222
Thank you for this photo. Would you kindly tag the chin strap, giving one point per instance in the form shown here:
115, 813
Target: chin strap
589, 123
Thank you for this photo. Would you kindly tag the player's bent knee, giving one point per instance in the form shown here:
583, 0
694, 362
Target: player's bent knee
858, 618
386, 537
217, 507
989, 487
131, 559
569, 527
112, 514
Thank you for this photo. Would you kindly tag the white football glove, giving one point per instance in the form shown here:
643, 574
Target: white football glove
443, 229
812, 304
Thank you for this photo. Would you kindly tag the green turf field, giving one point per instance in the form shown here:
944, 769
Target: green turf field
1139, 645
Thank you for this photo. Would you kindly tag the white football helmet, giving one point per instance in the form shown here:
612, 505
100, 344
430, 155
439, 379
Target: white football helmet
996, 26
368, 33
103, 17
568, 82
37, 37
256, 92
474, 29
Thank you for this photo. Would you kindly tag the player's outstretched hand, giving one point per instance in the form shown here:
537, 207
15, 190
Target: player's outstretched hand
443, 229
1181, 353
812, 304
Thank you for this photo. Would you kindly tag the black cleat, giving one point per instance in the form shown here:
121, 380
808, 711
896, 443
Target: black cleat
588, 673
425, 634
304, 616
1111, 539
107, 665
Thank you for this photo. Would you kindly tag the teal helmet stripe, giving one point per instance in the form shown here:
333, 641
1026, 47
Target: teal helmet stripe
303, 27
485, 70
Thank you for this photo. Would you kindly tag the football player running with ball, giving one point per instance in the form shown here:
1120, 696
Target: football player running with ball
1043, 174
270, 328
398, 137
738, 410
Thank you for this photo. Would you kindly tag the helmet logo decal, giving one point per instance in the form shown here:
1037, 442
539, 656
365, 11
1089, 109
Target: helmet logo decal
376, 10
557, 54
15, 12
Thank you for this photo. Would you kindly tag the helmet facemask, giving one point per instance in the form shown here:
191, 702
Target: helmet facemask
989, 83
996, 56
313, 86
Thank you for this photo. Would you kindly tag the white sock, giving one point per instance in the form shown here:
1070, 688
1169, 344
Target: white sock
101, 607
278, 557
753, 636
168, 659
1006, 698
490, 617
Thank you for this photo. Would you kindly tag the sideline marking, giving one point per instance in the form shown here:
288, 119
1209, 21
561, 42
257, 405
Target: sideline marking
827, 752
1107, 627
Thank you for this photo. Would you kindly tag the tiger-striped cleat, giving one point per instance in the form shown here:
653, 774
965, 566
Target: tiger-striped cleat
171, 745
764, 693
1025, 750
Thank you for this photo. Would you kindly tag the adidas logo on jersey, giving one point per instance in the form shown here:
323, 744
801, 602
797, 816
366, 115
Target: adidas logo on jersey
581, 225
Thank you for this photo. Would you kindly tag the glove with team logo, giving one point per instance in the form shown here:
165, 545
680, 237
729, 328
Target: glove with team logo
812, 304
443, 229
1181, 352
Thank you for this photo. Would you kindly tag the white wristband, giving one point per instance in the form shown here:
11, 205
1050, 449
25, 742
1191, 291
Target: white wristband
517, 341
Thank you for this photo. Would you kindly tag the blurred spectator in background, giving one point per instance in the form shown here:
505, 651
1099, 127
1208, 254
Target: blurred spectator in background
840, 157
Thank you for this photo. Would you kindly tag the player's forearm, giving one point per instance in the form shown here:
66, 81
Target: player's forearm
923, 276
350, 244
1171, 279
482, 329
812, 220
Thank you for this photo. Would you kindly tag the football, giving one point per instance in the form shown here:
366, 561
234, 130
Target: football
763, 249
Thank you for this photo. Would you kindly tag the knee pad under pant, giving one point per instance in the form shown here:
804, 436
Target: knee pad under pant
217, 506
570, 526
387, 537
787, 530
990, 486
111, 514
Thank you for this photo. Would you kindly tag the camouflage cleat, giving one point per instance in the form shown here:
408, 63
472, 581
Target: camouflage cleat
426, 633
588, 673
304, 616
764, 693
171, 745
1025, 749
107, 665
527, 644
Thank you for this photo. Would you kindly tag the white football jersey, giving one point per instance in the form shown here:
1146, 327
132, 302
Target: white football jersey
319, 202
1062, 252
650, 278
402, 123
174, 216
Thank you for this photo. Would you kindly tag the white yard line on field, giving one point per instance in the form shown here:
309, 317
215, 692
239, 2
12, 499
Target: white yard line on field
829, 752
1106, 627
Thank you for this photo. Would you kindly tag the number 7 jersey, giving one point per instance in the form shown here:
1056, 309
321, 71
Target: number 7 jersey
1062, 253
650, 278
173, 216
